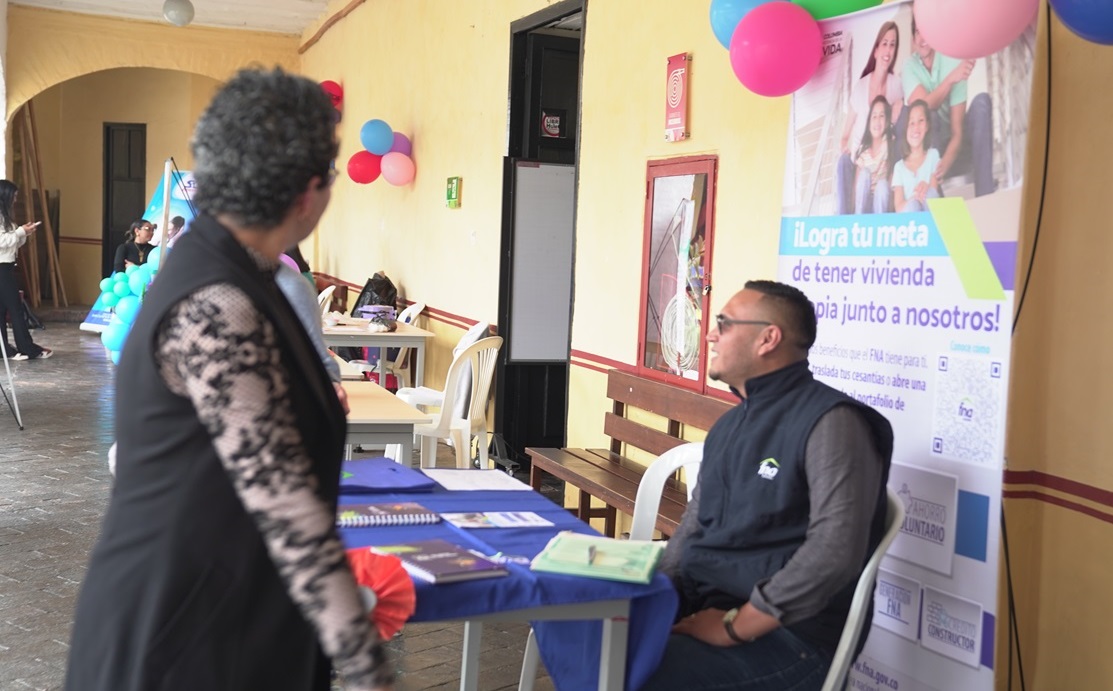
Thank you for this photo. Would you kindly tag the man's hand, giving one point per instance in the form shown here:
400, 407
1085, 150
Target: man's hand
707, 626
962, 72
342, 395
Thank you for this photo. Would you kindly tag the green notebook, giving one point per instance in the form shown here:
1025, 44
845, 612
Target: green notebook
594, 556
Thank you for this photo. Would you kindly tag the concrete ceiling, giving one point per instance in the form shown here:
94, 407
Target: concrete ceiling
277, 16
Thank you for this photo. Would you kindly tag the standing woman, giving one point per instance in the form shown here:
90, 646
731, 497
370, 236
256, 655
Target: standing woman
12, 238
136, 246
878, 79
218, 565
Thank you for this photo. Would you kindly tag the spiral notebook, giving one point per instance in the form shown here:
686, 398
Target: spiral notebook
398, 513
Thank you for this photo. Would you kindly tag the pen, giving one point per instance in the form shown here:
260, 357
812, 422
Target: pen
591, 554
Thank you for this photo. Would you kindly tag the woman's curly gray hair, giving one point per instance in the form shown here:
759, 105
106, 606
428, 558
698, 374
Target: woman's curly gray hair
263, 137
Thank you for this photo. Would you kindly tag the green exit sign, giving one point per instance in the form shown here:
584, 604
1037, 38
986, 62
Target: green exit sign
452, 193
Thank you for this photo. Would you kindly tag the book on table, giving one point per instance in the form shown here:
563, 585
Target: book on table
397, 513
595, 556
440, 561
496, 519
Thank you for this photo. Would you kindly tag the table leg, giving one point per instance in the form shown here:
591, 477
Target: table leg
382, 367
612, 656
469, 665
419, 372
407, 452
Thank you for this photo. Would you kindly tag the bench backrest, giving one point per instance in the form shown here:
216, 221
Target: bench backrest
679, 407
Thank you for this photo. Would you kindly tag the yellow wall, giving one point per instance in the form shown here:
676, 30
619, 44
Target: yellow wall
1060, 399
70, 120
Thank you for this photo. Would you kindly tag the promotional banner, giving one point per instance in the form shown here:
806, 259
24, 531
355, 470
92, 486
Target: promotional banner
181, 192
902, 203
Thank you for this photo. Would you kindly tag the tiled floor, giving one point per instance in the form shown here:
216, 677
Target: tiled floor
54, 484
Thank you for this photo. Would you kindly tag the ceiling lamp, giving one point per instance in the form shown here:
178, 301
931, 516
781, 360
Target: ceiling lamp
178, 12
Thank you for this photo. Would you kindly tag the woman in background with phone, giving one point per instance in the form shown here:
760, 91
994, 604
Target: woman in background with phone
12, 238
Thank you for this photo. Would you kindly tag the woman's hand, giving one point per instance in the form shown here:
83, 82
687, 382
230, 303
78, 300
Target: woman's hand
30, 227
920, 193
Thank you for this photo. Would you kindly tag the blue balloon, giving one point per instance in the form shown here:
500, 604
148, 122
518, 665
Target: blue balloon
132, 268
119, 277
137, 283
109, 298
121, 288
376, 136
115, 334
106, 284
1090, 19
154, 257
127, 308
725, 15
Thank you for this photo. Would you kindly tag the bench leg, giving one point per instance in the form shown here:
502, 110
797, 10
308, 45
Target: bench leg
583, 510
610, 521
535, 476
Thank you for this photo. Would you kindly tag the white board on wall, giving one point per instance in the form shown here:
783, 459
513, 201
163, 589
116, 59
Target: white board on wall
541, 281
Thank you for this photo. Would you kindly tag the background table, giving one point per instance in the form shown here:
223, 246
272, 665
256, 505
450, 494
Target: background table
571, 650
406, 336
378, 417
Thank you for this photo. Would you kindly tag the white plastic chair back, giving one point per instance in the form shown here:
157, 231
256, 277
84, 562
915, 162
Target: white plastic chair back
863, 597
324, 299
399, 366
470, 336
479, 357
648, 499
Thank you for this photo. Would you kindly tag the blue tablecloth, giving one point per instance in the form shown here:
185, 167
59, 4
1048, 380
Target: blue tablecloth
570, 650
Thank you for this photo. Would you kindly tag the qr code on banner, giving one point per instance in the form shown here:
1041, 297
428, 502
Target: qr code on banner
968, 393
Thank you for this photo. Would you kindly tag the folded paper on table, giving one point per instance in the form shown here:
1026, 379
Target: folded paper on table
473, 479
593, 556
371, 475
440, 561
370, 515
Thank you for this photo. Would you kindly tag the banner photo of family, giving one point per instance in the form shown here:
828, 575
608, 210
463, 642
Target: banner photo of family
901, 213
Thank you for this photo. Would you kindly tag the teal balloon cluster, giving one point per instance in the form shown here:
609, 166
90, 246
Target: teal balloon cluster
123, 292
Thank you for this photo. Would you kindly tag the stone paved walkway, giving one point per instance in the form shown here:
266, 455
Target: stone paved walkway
54, 485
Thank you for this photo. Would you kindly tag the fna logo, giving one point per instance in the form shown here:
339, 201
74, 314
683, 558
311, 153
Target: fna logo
768, 468
966, 409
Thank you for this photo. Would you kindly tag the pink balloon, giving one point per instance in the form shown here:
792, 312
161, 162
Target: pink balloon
969, 29
776, 48
402, 144
289, 261
398, 168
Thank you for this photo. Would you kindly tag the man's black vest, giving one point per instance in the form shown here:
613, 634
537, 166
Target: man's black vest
754, 506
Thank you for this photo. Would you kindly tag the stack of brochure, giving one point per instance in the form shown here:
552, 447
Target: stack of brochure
594, 556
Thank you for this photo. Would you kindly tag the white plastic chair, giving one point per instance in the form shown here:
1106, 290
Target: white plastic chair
479, 358
324, 299
646, 503
423, 396
863, 597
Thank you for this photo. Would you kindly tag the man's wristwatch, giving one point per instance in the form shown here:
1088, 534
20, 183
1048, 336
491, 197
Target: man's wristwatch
728, 624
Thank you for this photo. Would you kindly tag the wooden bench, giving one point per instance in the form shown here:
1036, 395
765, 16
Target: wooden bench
612, 478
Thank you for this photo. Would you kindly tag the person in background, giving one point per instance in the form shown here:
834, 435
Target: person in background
789, 504
915, 176
136, 246
219, 566
963, 133
878, 80
303, 266
302, 299
176, 225
12, 237
873, 162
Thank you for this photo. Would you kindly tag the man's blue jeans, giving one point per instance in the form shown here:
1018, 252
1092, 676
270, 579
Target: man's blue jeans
778, 661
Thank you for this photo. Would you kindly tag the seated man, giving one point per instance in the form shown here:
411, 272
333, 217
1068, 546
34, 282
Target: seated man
963, 135
789, 505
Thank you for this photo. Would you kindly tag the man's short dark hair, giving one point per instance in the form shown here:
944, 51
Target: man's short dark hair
178, 221
260, 141
793, 307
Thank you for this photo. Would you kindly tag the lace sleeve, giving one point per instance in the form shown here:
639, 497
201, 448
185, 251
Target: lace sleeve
215, 349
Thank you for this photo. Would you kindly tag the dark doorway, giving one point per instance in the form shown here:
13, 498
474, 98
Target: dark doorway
125, 182
538, 234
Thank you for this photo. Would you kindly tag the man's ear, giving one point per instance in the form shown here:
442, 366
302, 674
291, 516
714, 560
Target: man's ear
771, 339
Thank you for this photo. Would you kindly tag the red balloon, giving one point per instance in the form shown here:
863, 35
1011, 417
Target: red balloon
335, 92
365, 167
